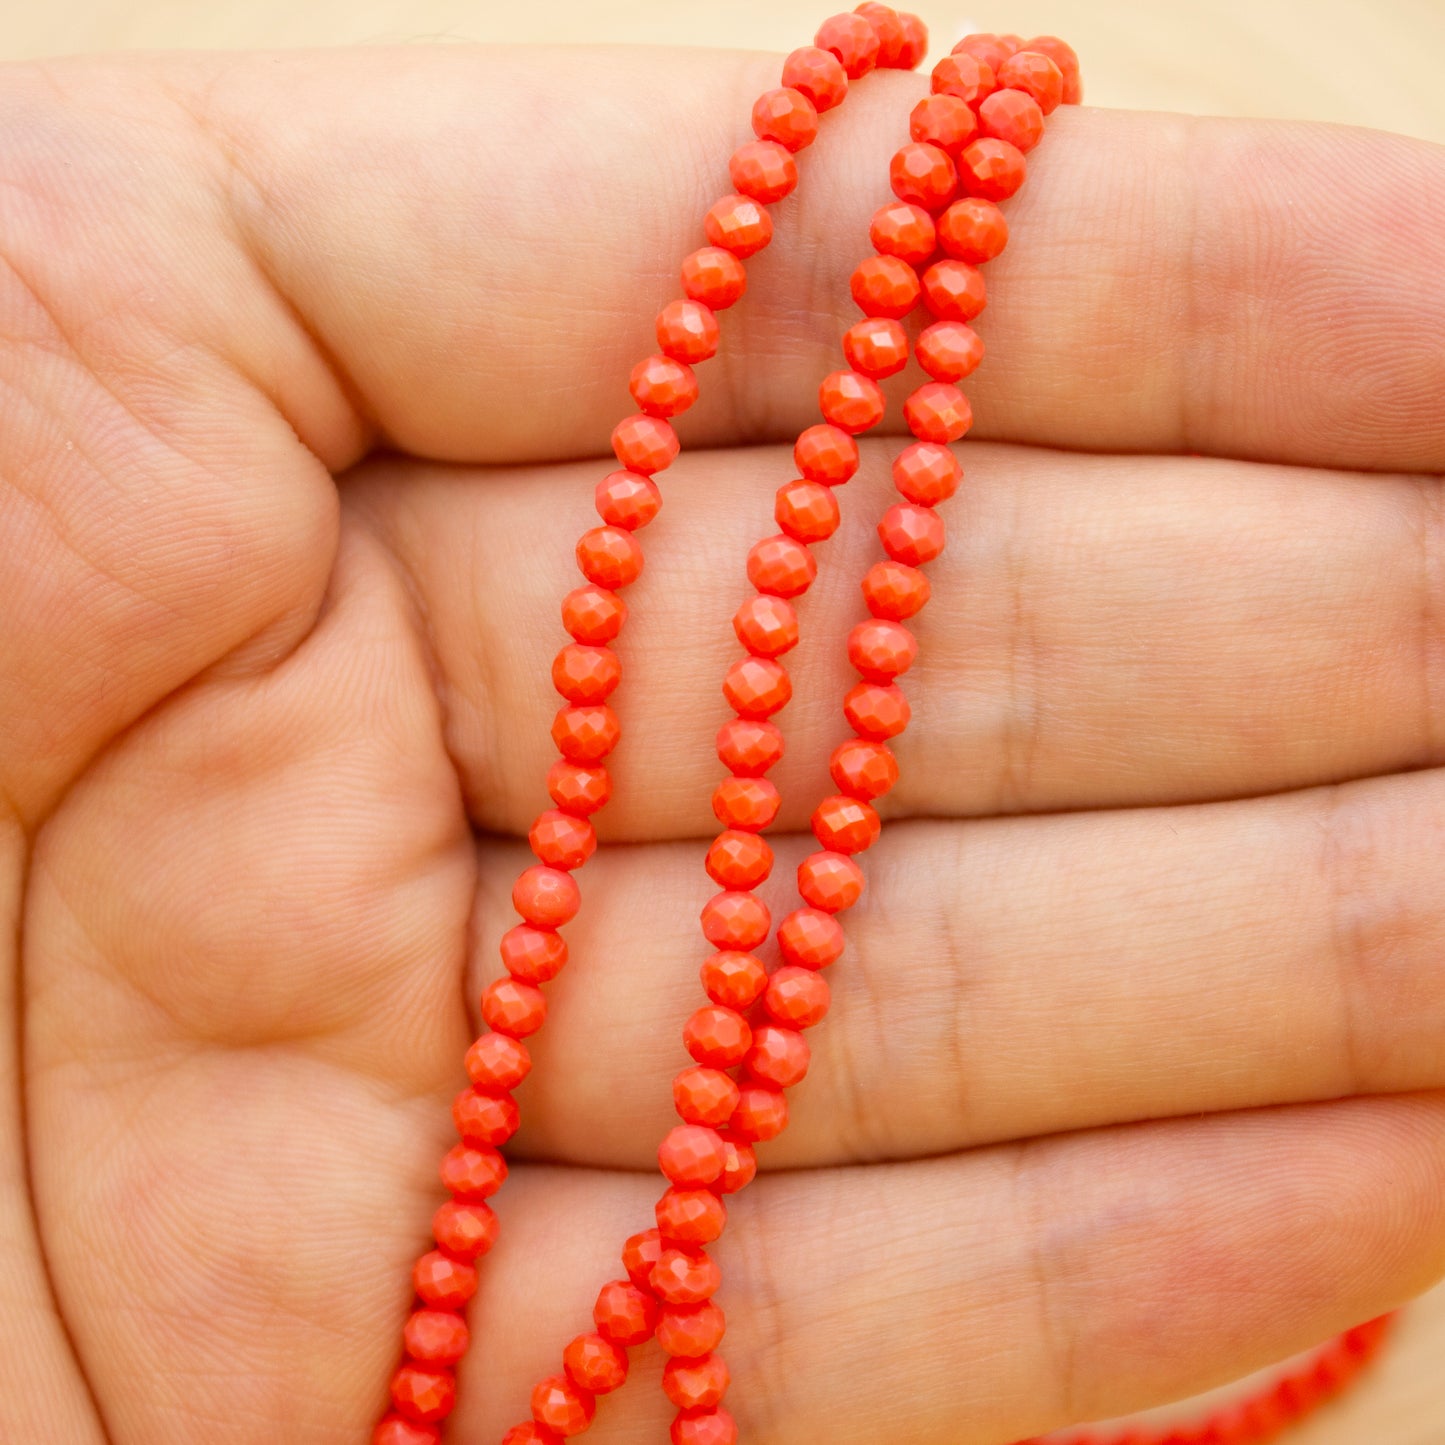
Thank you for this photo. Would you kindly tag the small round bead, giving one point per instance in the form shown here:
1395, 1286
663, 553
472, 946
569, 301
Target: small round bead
894, 591
748, 747
830, 881
818, 74
853, 40
954, 290
610, 556
787, 116
496, 1061
562, 841
949, 350
686, 1277
991, 49
881, 650
877, 346
827, 454
761, 1114
734, 980
585, 674
623, 1313
640, 1253
739, 1169
887, 23
877, 711
944, 121
717, 1037
924, 175
595, 1364
1012, 116
465, 1230
766, 625
394, 1430
644, 444
435, 1337
690, 1331
512, 1006
904, 230
629, 499
738, 224
548, 897
911, 533
691, 1216
885, 286
991, 168
586, 734
662, 386
757, 687
714, 277
734, 920
703, 1427
965, 76
972, 230
778, 1056
561, 1406
937, 412
1063, 55
797, 997
808, 511
851, 401
927, 472
915, 41
782, 567
577, 789
739, 860
1038, 76
763, 171
443, 1283
810, 938
423, 1394
747, 803
531, 1433
593, 614
688, 331
533, 954
846, 825
704, 1096
863, 769
696, 1384
483, 1118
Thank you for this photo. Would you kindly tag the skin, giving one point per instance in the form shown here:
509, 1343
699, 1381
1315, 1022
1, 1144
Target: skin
1134, 1078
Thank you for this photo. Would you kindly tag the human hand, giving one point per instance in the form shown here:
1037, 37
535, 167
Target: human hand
1133, 1077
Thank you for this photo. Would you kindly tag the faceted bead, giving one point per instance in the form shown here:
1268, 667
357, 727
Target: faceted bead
851, 401
944, 121
472, 1172
954, 290
734, 980
826, 454
691, 1216
876, 711
696, 1384
562, 841
991, 49
586, 674
559, 1405
808, 511
623, 1313
923, 174
547, 897
610, 556
748, 747
423, 1394
761, 1114
739, 1169
715, 277
704, 1427
737, 921
763, 171
904, 230
787, 116
393, 1430
797, 997
949, 350
739, 860
915, 41
885, 286
1062, 54
853, 40
747, 803
863, 769
586, 734
435, 1337
662, 386
895, 591
645, 444
688, 331
514, 1007
766, 625
640, 1253
972, 230
876, 346
498, 1062
593, 614
595, 1364
531, 1433
717, 1037
739, 224
810, 938
782, 567
818, 74
965, 76
533, 954
704, 1096
690, 1331
1037, 75
991, 168
888, 25
830, 881
778, 1056
927, 472
483, 1118
757, 687
937, 412
629, 499
443, 1283
466, 1231
577, 789
1013, 116
686, 1277
881, 650
911, 533
846, 825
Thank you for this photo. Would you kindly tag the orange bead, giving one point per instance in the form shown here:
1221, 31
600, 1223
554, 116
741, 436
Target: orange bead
662, 386
781, 567
894, 591
1013, 116
739, 1169
1034, 73
562, 841
991, 49
548, 897
757, 687
688, 331
876, 711
787, 116
393, 1430
423, 1393
850, 401
778, 1056
739, 860
915, 41
685, 1277
887, 24
938, 412
863, 769
911, 533
696, 1384
881, 650
703, 1427
923, 175
972, 230
644, 443
927, 473
704, 1096
830, 881
435, 1337
808, 511
483, 1118
530, 1433
593, 1363
472, 1173
534, 955
799, 997
884, 286
991, 168
747, 803
628, 499
904, 230
739, 225
853, 40
691, 1155
713, 277
761, 1114
466, 1230
1063, 55
949, 350
593, 614
826, 454
577, 789
513, 1006
965, 76
943, 120
717, 1037
586, 674
954, 290
690, 1331
818, 74
498, 1062
623, 1313
691, 1216
748, 747
562, 1407
846, 825
735, 920
610, 556
443, 1283
586, 734
640, 1253
766, 625
877, 346
763, 171
810, 938
734, 980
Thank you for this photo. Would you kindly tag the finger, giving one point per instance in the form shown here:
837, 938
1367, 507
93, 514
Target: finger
1021, 977
1002, 1293
1103, 632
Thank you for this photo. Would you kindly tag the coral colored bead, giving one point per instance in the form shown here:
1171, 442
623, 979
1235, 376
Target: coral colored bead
778, 1056
895, 591
904, 230
732, 979
576, 789
691, 1331
944, 121
885, 286
735, 921
787, 116
991, 49
1037, 75
595, 1364
662, 386
561, 1406
472, 1172
686, 1277
466, 1231
876, 346
830, 881
748, 747
435, 1337
876, 711
911, 533
705, 1427
696, 1384
586, 734
949, 350
738, 224
991, 168
623, 1313
628, 499
593, 614
445, 1283
807, 511
1012, 116
423, 1394
645, 444
761, 1114
533, 954
739, 1169
846, 825
915, 41
853, 40
810, 938
965, 76
562, 841
1063, 55
717, 1037
782, 567
818, 74
739, 860
531, 1433
512, 1006
704, 1096
688, 331
747, 803
547, 897
923, 174
798, 997
881, 650
826, 454
498, 1062
610, 556
954, 290
926, 472
640, 1253
716, 277
763, 171
766, 625
851, 401
937, 412
483, 1118
586, 674
862, 769
691, 1216
887, 24
757, 687
972, 230
395, 1431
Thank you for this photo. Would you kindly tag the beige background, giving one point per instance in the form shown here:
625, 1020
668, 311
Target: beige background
1379, 64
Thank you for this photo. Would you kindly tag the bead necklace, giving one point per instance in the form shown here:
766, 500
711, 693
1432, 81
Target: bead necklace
966, 153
